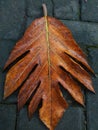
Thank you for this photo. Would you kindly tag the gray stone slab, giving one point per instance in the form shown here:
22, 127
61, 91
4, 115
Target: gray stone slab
23, 122
5, 49
83, 32
7, 117
66, 9
93, 57
35, 10
92, 108
89, 10
12, 18
72, 120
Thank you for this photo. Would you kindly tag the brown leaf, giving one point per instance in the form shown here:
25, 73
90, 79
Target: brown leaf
52, 57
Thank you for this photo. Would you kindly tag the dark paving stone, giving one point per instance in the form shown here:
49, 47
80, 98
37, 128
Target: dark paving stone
35, 10
89, 10
29, 21
12, 14
7, 117
92, 108
23, 122
93, 56
72, 120
5, 49
66, 9
83, 32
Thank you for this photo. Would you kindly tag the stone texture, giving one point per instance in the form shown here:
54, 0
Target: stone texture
7, 117
23, 123
73, 116
73, 119
93, 57
89, 10
92, 108
35, 10
92, 99
83, 32
5, 49
66, 9
12, 14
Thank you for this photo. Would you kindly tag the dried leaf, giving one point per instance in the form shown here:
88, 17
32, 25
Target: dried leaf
51, 56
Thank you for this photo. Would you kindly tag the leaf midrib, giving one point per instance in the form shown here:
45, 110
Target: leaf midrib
49, 65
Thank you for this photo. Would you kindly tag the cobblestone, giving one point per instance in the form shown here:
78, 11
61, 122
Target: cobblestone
7, 117
64, 9
12, 14
83, 32
92, 108
93, 57
89, 10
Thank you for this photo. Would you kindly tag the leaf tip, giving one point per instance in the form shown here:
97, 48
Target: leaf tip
19, 106
92, 90
51, 128
5, 66
82, 103
29, 113
7, 91
29, 116
5, 95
